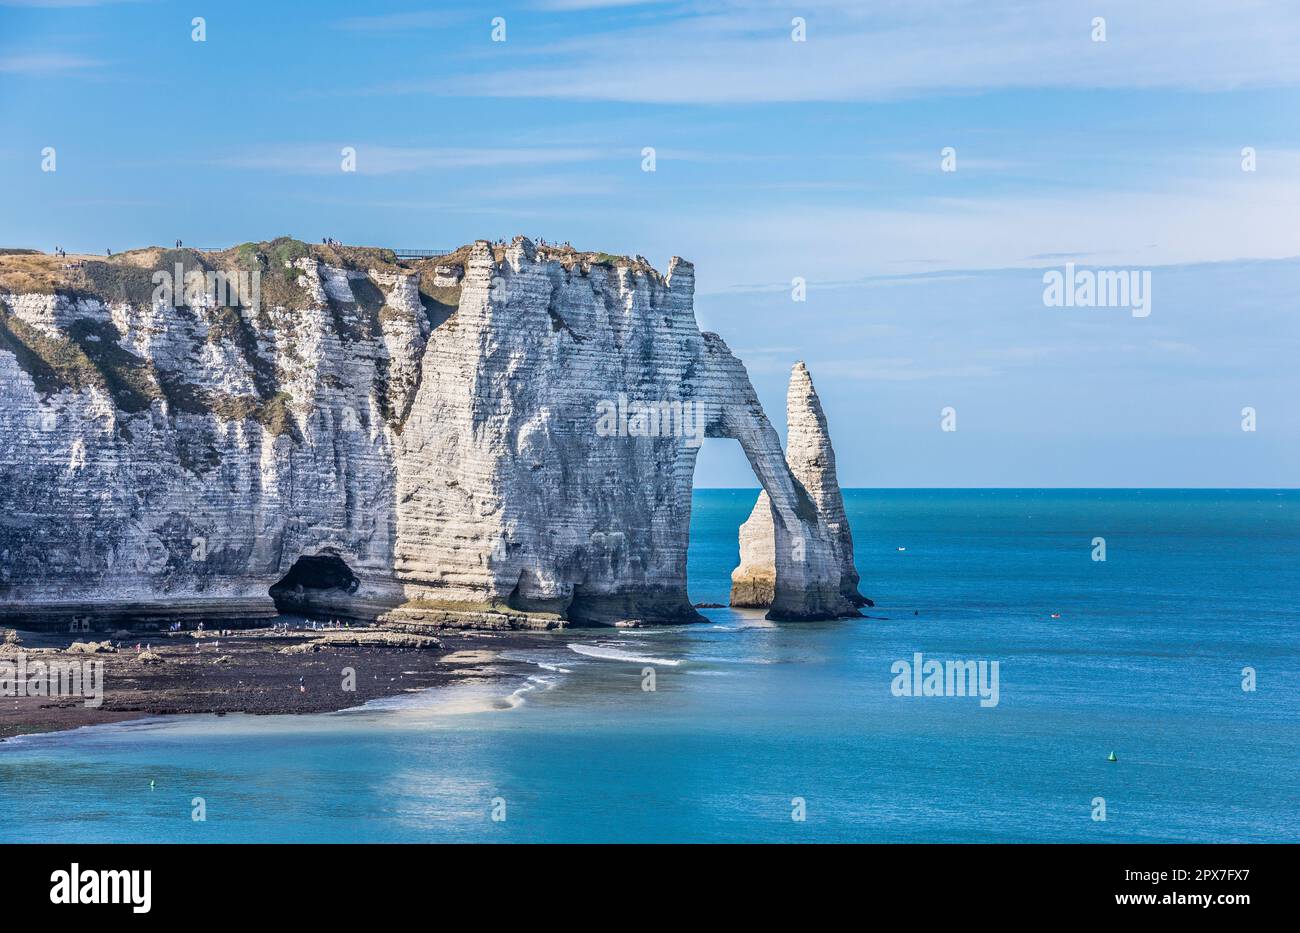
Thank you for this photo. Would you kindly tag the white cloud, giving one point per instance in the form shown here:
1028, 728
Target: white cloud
62, 4
580, 5
396, 22
41, 63
325, 158
870, 52
894, 369
1195, 220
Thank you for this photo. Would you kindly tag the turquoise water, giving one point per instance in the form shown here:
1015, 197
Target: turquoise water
1146, 660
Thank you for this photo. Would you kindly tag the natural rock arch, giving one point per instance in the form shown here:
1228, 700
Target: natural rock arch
433, 423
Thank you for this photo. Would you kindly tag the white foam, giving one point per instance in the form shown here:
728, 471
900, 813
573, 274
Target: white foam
451, 700
525, 658
714, 659
607, 653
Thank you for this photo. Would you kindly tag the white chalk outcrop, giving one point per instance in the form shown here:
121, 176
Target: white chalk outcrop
812, 462
417, 441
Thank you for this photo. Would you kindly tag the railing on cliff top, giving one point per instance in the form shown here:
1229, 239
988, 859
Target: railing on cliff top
421, 253
399, 253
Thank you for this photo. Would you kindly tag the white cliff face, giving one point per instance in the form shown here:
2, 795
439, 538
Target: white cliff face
812, 461
198, 452
444, 444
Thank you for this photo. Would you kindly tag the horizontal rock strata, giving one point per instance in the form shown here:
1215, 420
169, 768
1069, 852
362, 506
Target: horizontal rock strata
504, 437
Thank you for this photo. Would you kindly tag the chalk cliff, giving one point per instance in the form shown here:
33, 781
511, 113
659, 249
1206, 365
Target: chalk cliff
812, 461
501, 437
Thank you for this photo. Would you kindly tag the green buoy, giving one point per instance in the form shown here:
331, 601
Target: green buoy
1112, 757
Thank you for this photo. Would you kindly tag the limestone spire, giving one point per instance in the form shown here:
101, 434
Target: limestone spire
812, 461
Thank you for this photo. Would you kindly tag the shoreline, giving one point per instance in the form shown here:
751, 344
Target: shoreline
249, 671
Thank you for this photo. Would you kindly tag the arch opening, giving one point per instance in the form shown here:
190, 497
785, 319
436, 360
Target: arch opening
721, 499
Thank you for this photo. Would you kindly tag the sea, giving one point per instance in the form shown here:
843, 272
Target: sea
1150, 696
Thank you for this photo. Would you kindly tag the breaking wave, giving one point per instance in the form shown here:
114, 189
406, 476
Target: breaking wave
609, 653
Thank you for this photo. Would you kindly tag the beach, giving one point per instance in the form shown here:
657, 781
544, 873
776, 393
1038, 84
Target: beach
245, 671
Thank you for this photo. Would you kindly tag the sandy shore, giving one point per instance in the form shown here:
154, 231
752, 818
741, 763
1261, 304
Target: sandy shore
248, 672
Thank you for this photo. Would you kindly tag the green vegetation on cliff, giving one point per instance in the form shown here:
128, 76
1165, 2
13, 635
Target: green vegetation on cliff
90, 351
91, 355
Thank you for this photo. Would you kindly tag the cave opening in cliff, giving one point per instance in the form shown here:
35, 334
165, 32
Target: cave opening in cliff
315, 583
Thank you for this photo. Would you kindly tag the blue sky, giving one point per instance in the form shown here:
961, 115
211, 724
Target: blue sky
774, 159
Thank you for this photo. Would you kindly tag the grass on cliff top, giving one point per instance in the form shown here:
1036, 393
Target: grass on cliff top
127, 276
28, 273
358, 320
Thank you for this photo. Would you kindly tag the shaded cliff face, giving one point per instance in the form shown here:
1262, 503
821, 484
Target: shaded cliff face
466, 440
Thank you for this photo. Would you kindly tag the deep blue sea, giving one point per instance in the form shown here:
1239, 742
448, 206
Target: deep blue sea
753, 723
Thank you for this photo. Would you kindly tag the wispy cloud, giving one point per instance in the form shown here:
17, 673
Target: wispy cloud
582, 5
416, 206
895, 369
868, 52
396, 160
43, 63
396, 22
557, 187
1189, 220
62, 4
